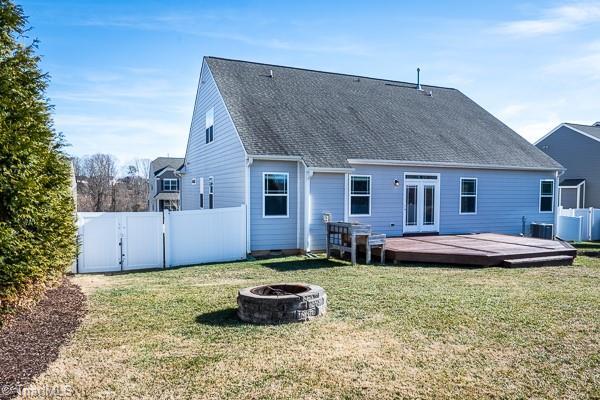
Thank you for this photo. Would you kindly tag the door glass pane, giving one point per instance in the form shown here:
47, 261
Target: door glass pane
429, 207
411, 205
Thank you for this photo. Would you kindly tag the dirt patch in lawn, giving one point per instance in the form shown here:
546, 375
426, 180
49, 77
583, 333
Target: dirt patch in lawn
31, 341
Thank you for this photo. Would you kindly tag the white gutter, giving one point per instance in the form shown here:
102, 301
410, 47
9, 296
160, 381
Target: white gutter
275, 158
359, 161
331, 170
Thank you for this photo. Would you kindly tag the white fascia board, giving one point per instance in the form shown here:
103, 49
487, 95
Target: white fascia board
430, 164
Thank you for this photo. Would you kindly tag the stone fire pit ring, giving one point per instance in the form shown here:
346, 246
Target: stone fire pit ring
281, 303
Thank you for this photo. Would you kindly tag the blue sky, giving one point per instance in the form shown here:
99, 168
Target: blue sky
124, 73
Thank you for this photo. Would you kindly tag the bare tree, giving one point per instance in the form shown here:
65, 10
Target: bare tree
96, 176
143, 167
100, 189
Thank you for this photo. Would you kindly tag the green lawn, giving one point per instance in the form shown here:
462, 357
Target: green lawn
391, 332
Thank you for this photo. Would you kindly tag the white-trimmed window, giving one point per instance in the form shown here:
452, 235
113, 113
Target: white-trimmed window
210, 123
468, 195
211, 192
201, 186
275, 195
360, 195
170, 185
547, 195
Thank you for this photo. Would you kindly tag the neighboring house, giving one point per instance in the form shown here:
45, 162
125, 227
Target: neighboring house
164, 184
296, 146
577, 148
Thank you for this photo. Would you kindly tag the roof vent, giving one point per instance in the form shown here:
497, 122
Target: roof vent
419, 79
270, 73
597, 124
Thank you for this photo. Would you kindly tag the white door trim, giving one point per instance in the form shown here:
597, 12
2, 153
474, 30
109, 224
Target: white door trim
420, 183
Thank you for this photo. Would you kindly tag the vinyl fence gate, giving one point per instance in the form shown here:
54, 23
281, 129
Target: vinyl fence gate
125, 241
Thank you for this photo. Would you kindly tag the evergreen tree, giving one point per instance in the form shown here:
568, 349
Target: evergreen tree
37, 227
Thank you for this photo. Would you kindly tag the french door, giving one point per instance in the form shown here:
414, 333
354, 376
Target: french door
421, 203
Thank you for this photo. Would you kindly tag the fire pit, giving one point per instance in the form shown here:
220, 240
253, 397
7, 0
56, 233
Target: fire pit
281, 303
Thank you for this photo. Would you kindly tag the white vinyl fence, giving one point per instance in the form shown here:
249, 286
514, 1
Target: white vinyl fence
124, 241
579, 224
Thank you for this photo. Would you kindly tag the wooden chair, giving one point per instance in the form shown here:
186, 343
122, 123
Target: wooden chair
376, 240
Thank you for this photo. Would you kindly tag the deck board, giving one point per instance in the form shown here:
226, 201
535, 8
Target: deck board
484, 249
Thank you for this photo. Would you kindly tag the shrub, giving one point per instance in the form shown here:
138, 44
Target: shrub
37, 227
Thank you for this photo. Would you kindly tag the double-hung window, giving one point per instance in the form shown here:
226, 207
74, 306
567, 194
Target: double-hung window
210, 123
211, 192
275, 195
546, 195
360, 195
201, 192
468, 195
170, 185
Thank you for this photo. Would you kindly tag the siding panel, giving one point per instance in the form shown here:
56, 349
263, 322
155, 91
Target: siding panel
326, 195
504, 197
580, 155
273, 233
223, 159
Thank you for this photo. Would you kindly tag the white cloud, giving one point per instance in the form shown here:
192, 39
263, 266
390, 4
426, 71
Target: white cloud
583, 66
534, 130
189, 25
554, 20
125, 138
512, 111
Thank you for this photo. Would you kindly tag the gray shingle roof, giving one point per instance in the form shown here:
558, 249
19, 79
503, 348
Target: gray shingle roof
571, 182
591, 130
160, 163
328, 118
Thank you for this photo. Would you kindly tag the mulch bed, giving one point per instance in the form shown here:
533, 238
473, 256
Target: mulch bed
32, 340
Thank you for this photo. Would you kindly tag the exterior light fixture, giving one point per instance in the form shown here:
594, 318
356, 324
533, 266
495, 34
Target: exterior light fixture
396, 182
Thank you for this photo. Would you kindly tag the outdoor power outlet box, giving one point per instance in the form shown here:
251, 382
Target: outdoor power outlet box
326, 217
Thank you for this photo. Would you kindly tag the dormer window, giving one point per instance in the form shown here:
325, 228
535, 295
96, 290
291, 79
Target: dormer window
210, 123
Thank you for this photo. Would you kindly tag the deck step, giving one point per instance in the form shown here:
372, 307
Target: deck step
539, 261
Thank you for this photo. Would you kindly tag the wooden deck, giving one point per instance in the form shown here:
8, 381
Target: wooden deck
485, 249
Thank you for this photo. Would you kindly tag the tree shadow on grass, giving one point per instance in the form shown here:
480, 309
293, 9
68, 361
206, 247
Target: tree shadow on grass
299, 265
225, 317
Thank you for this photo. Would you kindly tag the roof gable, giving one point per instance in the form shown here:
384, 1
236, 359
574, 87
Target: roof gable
590, 131
328, 118
160, 163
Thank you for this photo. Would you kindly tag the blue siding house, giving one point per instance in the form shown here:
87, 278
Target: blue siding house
296, 145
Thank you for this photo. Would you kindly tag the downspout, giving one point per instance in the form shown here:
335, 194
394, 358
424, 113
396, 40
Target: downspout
346, 196
249, 162
307, 208
298, 205
557, 175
